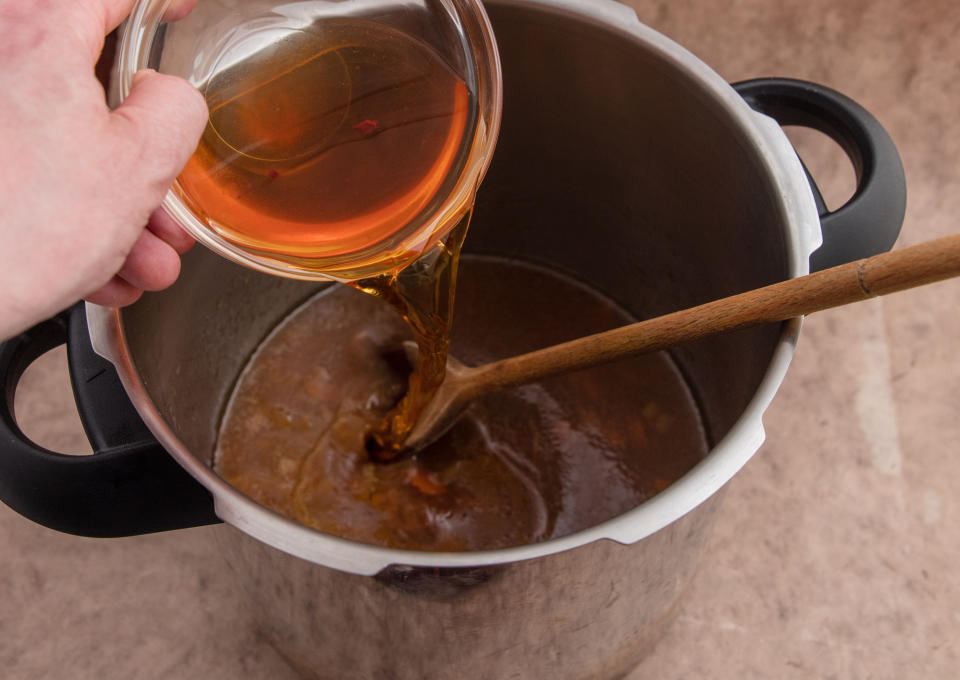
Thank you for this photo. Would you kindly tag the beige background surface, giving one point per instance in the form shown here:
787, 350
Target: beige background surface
836, 553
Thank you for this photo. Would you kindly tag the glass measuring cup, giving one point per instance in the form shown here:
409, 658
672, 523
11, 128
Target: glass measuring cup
346, 137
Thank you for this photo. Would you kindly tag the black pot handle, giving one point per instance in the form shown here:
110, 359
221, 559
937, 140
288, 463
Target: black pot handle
129, 486
870, 221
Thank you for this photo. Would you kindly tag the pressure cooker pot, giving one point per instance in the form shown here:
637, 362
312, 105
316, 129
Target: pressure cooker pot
623, 162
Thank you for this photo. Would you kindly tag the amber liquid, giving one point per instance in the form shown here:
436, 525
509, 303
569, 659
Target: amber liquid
334, 140
329, 141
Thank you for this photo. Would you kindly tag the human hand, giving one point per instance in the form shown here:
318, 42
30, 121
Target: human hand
79, 182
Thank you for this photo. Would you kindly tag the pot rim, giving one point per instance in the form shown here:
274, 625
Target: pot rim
745, 437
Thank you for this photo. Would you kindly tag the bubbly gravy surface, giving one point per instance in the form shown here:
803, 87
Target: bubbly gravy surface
522, 466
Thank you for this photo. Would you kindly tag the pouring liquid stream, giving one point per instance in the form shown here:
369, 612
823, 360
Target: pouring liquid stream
424, 295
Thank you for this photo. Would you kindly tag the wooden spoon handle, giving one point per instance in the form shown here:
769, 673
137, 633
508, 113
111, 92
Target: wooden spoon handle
878, 275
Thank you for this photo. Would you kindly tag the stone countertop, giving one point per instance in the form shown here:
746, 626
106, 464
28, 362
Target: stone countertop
834, 554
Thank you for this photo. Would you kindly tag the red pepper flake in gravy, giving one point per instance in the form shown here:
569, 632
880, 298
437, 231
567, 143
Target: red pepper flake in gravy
367, 127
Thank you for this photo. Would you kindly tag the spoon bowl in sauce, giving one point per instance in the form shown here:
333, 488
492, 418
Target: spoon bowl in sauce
852, 282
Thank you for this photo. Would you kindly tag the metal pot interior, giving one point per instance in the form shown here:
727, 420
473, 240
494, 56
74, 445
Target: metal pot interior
614, 165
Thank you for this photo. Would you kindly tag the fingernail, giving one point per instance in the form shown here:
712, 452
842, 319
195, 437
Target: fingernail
140, 75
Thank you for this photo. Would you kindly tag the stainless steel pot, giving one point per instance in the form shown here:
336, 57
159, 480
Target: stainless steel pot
624, 161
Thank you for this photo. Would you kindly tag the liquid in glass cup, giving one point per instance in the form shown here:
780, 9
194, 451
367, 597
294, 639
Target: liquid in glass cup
345, 139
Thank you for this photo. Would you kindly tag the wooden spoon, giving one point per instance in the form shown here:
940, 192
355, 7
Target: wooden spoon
852, 282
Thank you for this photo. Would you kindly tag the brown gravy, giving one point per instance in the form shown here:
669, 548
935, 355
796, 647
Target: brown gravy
526, 465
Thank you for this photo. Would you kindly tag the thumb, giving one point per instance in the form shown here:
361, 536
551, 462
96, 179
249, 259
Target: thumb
163, 118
